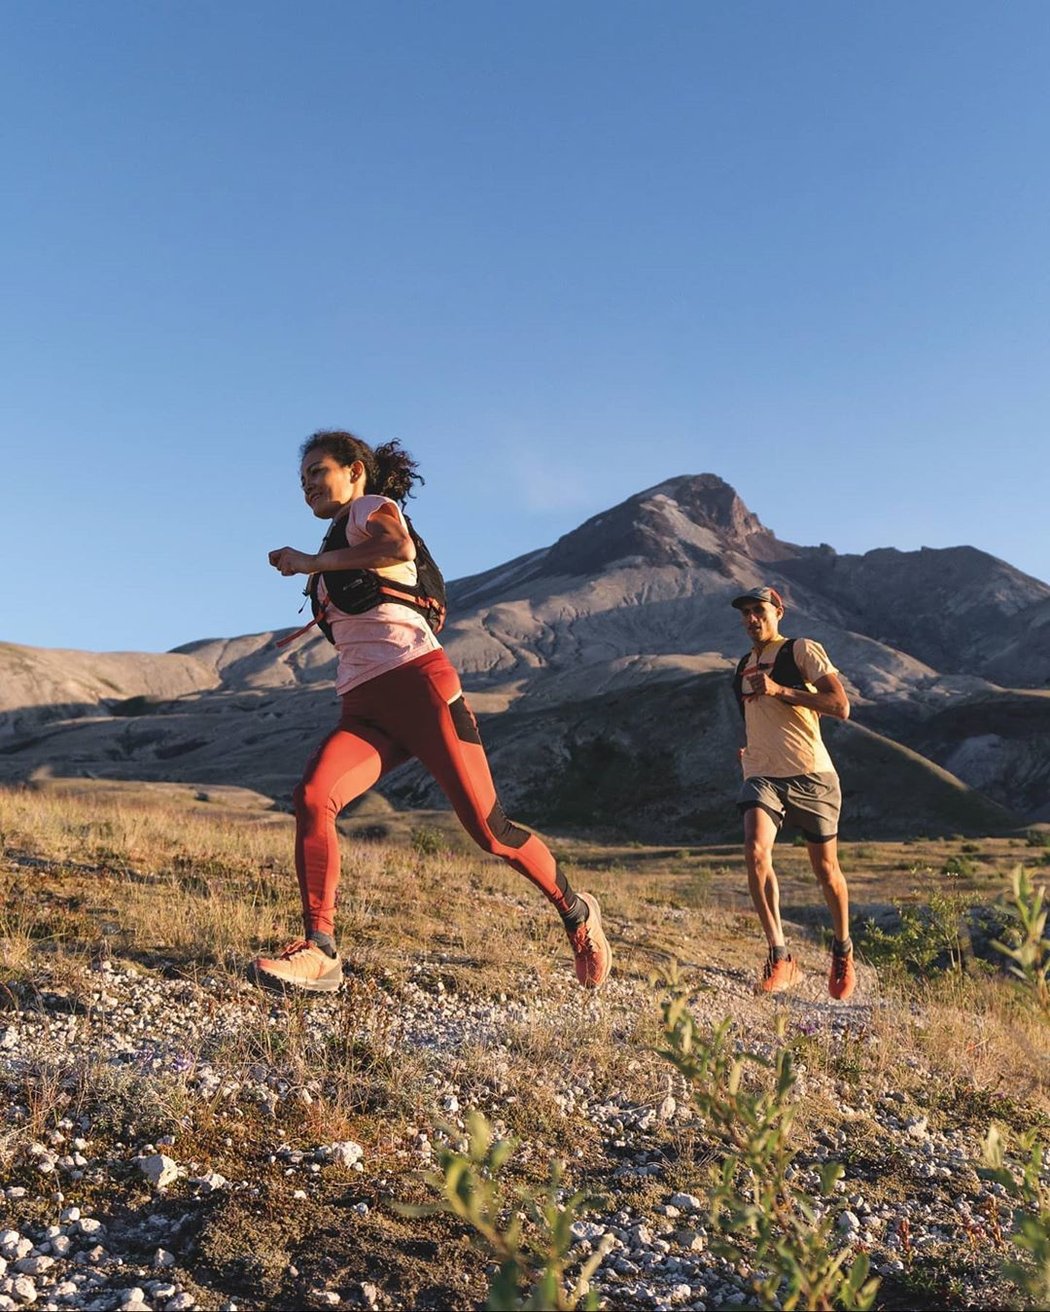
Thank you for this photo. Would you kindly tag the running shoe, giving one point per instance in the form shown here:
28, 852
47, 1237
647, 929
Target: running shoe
301, 965
590, 947
842, 978
778, 975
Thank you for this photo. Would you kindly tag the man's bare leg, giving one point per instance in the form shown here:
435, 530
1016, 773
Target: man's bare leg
824, 858
760, 833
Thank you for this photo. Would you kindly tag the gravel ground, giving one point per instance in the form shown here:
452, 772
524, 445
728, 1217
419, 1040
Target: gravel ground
911, 1196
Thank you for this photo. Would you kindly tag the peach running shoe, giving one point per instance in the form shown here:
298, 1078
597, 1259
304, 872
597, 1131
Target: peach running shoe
778, 975
590, 947
842, 978
301, 965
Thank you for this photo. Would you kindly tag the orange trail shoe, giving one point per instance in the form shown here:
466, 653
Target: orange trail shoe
301, 965
590, 947
778, 975
842, 978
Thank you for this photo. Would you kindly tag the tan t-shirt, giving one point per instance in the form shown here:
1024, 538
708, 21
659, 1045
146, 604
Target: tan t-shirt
784, 740
387, 636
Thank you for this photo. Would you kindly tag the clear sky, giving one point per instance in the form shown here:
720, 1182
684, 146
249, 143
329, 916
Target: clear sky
563, 251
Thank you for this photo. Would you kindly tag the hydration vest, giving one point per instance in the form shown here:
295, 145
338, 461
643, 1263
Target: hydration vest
355, 591
782, 669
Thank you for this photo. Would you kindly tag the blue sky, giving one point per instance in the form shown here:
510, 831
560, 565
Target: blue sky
562, 251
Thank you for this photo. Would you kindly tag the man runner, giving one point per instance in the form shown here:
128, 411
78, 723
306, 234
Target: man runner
784, 686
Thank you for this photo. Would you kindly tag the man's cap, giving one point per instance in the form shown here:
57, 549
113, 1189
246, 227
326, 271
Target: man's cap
759, 594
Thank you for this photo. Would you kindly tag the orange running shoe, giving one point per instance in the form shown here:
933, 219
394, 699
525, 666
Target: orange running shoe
301, 965
778, 975
590, 947
842, 978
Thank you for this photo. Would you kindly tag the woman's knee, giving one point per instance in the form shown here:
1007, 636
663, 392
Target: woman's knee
310, 800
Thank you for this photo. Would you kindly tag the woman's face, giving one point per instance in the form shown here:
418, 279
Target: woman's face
327, 485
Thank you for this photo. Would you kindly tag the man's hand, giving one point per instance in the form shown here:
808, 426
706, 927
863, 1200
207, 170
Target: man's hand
289, 561
763, 686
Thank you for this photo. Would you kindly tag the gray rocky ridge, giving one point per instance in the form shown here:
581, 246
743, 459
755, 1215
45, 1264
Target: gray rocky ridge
604, 658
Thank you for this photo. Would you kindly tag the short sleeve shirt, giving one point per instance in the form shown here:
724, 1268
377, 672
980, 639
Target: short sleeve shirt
390, 634
785, 740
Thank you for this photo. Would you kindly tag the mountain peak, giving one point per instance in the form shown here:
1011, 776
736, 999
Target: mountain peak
711, 502
688, 520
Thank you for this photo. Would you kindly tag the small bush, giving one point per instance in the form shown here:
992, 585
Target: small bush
532, 1264
759, 1215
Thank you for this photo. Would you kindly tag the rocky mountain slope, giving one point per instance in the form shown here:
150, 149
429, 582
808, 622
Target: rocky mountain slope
600, 667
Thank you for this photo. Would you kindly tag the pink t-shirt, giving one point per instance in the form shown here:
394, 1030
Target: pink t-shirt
387, 636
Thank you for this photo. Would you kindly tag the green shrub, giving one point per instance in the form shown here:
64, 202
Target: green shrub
759, 1214
928, 937
532, 1263
1029, 955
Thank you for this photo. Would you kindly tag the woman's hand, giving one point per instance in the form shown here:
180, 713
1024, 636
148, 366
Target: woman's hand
289, 561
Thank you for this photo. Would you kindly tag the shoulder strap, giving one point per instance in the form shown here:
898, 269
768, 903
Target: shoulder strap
785, 668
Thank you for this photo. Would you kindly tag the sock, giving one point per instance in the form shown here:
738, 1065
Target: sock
577, 913
324, 941
778, 953
843, 947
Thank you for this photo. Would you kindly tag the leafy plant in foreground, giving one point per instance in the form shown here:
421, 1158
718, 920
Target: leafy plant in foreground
532, 1263
758, 1214
1029, 1188
1030, 955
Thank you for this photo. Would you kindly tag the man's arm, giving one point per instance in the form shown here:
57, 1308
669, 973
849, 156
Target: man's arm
829, 699
388, 544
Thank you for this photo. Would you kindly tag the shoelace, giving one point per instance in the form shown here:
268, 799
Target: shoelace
300, 945
581, 938
839, 964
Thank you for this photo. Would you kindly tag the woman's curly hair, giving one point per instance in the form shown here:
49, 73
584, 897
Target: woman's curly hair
390, 471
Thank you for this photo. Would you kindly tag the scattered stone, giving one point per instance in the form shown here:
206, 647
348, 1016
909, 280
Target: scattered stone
158, 1169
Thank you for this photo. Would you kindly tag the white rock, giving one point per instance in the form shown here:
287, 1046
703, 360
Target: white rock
158, 1169
345, 1153
212, 1181
162, 1258
35, 1266
24, 1290
848, 1222
180, 1303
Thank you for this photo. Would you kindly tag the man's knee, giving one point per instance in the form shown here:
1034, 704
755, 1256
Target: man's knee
827, 869
758, 853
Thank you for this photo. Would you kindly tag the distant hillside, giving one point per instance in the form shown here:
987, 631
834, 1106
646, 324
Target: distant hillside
599, 665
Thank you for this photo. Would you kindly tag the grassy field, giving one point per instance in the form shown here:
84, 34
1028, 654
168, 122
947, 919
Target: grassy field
459, 993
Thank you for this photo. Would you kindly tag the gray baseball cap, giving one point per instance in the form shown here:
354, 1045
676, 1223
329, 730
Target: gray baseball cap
759, 594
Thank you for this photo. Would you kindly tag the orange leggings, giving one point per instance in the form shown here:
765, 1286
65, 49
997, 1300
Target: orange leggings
416, 710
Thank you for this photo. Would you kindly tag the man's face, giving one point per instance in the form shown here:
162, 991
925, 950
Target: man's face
761, 619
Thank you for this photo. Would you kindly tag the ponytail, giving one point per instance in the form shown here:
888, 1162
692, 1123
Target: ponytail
389, 470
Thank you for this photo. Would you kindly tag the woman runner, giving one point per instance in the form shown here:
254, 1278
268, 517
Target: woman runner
401, 698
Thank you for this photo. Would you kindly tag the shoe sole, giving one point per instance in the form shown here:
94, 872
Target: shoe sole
278, 984
596, 912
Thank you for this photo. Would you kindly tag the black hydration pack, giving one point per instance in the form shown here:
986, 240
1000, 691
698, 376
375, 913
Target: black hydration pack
782, 669
358, 590
355, 591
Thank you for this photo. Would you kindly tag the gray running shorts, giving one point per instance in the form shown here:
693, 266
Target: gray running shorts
810, 802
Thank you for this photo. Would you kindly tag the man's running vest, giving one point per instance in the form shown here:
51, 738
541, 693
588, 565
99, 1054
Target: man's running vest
782, 670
